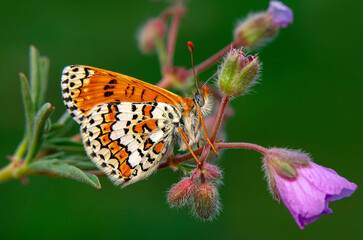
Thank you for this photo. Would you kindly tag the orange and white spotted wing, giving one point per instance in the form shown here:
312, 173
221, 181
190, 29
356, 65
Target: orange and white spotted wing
84, 87
127, 125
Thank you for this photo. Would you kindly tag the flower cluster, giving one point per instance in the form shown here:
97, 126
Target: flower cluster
200, 190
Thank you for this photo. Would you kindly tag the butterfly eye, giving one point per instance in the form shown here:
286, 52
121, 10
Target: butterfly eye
199, 99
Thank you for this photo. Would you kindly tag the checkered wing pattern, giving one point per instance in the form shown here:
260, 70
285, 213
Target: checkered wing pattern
128, 140
127, 125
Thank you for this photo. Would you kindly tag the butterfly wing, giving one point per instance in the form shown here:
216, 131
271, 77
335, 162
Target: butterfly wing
128, 140
127, 125
84, 87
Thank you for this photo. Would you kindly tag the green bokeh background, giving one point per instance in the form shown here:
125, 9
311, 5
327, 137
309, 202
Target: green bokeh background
310, 97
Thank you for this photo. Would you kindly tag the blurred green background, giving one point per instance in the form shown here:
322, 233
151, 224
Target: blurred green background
310, 97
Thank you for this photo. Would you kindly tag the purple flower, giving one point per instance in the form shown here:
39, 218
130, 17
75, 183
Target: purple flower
304, 187
281, 14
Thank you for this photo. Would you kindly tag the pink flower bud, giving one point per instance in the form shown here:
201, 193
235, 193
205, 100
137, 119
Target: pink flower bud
238, 72
212, 172
181, 192
154, 30
206, 201
303, 186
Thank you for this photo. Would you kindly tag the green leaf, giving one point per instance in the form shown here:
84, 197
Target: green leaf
43, 79
29, 115
65, 170
34, 75
37, 131
80, 161
64, 144
27, 101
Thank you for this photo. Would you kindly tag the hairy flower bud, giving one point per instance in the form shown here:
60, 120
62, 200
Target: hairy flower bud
212, 172
181, 192
206, 201
238, 73
154, 30
261, 27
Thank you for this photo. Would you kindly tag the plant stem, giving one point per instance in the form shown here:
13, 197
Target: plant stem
212, 60
6, 173
177, 14
21, 149
180, 158
237, 145
218, 122
164, 82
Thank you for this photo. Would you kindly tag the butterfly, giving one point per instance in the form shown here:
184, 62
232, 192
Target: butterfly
128, 126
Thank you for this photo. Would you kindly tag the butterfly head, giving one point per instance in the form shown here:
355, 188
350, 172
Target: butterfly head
202, 100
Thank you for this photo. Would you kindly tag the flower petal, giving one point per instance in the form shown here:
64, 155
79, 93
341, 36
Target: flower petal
305, 202
281, 14
328, 181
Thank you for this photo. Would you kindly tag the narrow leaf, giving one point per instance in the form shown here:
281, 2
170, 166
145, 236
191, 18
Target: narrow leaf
34, 75
43, 79
37, 131
28, 105
64, 144
65, 170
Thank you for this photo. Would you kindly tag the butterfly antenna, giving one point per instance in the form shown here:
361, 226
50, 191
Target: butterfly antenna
209, 79
191, 50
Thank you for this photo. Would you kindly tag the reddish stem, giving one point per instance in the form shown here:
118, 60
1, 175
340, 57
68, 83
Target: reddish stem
218, 122
164, 83
177, 14
213, 59
180, 158
216, 127
251, 146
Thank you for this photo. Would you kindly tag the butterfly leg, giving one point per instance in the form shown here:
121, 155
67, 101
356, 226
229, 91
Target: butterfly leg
206, 134
183, 135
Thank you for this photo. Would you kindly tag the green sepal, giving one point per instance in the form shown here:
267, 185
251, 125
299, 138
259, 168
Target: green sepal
284, 169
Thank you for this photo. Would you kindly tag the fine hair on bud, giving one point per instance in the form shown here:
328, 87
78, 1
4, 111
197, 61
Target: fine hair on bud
238, 73
212, 173
181, 192
206, 203
268, 176
283, 162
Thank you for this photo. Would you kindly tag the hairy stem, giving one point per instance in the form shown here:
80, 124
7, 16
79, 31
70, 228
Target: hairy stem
237, 145
212, 60
177, 15
218, 122
180, 158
